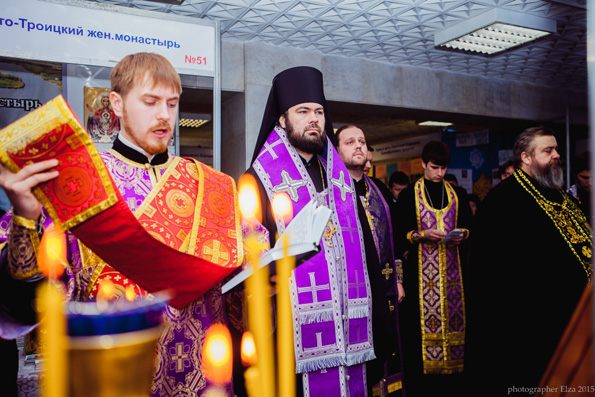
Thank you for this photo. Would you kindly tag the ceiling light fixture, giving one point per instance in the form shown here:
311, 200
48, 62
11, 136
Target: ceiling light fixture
494, 31
174, 2
435, 123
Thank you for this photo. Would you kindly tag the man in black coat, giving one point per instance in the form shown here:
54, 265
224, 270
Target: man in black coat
532, 260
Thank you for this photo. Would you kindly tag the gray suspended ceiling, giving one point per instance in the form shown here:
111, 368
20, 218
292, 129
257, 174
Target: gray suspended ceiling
401, 32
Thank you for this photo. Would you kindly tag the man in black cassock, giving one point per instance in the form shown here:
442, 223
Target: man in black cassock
532, 261
374, 209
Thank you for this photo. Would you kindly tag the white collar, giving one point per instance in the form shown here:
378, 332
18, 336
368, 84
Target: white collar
133, 146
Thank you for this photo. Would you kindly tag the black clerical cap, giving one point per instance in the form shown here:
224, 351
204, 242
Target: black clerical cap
291, 87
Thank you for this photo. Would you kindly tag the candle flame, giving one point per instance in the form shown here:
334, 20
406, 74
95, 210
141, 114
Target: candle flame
248, 349
129, 293
107, 290
52, 252
216, 355
282, 206
249, 199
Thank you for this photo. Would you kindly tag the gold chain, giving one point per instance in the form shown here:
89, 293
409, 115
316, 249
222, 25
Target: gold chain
563, 214
321, 175
366, 203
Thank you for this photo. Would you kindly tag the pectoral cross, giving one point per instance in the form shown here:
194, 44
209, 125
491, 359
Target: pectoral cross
329, 232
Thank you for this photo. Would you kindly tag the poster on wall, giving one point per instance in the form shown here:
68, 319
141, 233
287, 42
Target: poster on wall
25, 86
101, 122
464, 178
403, 148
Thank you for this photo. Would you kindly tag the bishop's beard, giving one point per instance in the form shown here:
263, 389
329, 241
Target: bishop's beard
305, 143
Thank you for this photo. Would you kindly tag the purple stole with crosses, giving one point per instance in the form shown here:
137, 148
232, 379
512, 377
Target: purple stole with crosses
330, 293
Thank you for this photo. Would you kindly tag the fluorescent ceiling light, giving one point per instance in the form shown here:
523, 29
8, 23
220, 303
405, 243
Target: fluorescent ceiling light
192, 123
494, 31
174, 2
435, 123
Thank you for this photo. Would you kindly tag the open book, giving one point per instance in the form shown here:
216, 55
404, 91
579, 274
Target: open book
303, 233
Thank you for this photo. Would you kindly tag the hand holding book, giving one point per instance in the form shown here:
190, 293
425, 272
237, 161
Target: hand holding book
304, 233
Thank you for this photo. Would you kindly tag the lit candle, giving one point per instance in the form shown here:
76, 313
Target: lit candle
285, 351
285, 348
249, 358
217, 361
248, 349
249, 201
257, 290
259, 314
130, 294
106, 293
51, 262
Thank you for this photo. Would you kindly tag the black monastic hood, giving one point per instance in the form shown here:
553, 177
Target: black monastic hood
291, 87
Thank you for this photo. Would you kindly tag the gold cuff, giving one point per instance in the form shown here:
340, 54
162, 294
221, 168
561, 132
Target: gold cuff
399, 268
23, 245
415, 236
466, 235
28, 224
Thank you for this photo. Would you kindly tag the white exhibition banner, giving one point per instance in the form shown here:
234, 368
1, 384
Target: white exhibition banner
403, 148
96, 34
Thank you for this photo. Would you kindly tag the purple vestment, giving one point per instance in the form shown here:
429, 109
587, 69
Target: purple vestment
177, 364
330, 293
442, 305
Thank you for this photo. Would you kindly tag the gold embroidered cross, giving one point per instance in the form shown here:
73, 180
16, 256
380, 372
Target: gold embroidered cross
390, 306
387, 271
180, 356
455, 323
215, 252
431, 284
433, 323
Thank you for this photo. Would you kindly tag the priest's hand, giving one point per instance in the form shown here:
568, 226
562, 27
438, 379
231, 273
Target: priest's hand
434, 235
19, 186
458, 238
400, 291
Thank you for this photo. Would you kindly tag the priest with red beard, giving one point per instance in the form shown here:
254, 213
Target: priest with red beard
532, 260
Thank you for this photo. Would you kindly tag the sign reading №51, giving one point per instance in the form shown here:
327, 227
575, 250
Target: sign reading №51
98, 34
